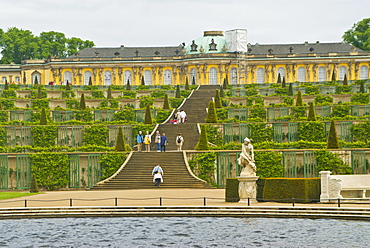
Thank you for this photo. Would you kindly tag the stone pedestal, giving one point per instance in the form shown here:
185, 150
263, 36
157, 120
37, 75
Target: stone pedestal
247, 188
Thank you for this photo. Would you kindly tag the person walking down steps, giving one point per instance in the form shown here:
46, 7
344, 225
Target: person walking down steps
179, 141
158, 175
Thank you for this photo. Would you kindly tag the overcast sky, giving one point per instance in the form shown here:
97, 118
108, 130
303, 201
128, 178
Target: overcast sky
111, 23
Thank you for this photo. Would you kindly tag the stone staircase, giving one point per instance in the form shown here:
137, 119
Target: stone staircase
137, 173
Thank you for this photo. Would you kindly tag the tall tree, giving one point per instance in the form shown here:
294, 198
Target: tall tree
283, 83
311, 112
178, 92
120, 143
218, 103
82, 102
290, 90
148, 115
299, 100
76, 44
359, 35
279, 79
211, 115
203, 139
166, 103
90, 81
187, 84
345, 80
193, 81
43, 119
128, 85
109, 93
333, 142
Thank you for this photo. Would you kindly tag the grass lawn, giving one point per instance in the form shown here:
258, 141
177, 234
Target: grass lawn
9, 195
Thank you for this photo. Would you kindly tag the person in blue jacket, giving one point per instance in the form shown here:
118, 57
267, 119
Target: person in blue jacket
140, 141
164, 142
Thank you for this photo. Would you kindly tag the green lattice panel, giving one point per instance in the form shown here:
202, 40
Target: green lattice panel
230, 113
277, 132
223, 168
70, 115
11, 136
244, 131
4, 172
139, 115
355, 110
27, 115
23, 171
14, 115
345, 131
26, 136
112, 135
93, 169
228, 133
367, 110
76, 136
289, 163
284, 112
271, 114
63, 136
74, 171
110, 115
98, 115
56, 115
293, 132
359, 163
309, 164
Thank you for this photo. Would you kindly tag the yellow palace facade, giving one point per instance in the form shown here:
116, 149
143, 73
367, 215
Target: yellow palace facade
206, 60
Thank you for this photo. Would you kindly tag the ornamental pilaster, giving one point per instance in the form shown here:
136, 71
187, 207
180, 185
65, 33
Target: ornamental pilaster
350, 68
114, 75
120, 72
273, 69
205, 73
308, 73
267, 73
154, 75
314, 70
74, 75
357, 68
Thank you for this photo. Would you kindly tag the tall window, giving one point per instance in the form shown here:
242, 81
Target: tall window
167, 77
107, 78
301, 74
148, 77
38, 76
233, 76
87, 76
342, 72
260, 76
127, 77
280, 71
193, 76
213, 76
67, 77
3, 79
322, 74
17, 79
364, 72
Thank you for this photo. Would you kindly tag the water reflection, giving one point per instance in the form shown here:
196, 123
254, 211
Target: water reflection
183, 232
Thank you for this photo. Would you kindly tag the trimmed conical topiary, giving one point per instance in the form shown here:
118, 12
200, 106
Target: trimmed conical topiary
90, 81
82, 102
333, 76
218, 103
193, 81
311, 113
299, 100
148, 115
290, 90
187, 84
283, 84
166, 103
362, 87
178, 92
128, 85
120, 143
6, 86
142, 80
202, 144
226, 80
34, 188
68, 87
39, 93
222, 93
109, 93
211, 115
43, 119
345, 80
333, 142
279, 79
36, 81
1, 106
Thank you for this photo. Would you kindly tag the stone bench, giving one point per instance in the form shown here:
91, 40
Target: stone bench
344, 186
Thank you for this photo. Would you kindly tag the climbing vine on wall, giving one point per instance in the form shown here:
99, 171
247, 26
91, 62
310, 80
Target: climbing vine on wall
110, 163
269, 164
44, 136
203, 166
96, 135
50, 169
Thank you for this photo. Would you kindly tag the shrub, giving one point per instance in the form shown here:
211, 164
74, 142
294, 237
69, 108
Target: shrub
327, 161
44, 136
109, 93
9, 94
312, 90
203, 139
146, 100
311, 113
82, 101
269, 164
178, 94
343, 89
361, 98
323, 100
72, 104
312, 131
7, 104
96, 135
129, 94
258, 111
162, 115
299, 100
204, 166
43, 119
211, 115
166, 103
175, 102
83, 115
124, 115
340, 110
68, 94
333, 142
34, 188
40, 104
148, 115
361, 132
260, 132
157, 94
110, 163
120, 143
97, 94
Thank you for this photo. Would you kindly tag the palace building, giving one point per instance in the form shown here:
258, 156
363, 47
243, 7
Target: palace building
206, 60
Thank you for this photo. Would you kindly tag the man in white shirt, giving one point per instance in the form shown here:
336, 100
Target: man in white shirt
157, 173
183, 116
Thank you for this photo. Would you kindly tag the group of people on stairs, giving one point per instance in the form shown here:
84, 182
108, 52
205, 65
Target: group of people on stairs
160, 142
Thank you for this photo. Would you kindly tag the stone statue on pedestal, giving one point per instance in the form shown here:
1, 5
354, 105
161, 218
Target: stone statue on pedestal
246, 159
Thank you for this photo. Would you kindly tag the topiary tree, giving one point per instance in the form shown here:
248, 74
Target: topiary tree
283, 84
120, 143
109, 93
82, 102
39, 93
187, 84
290, 90
148, 115
166, 103
178, 93
36, 81
142, 80
222, 93
90, 81
345, 81
203, 139
128, 86
279, 79
333, 77
43, 119
34, 187
6, 86
311, 112
68, 87
299, 100
218, 100
193, 81
333, 142
362, 87
211, 115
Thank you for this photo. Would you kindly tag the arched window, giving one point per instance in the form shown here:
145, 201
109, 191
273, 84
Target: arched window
87, 76
364, 72
260, 76
280, 71
67, 77
127, 77
167, 77
213, 76
342, 72
233, 76
322, 74
107, 78
38, 76
193, 76
148, 77
301, 74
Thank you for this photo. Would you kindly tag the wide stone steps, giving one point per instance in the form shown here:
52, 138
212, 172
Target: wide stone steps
137, 173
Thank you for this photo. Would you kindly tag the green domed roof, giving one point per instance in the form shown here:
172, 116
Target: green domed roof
211, 42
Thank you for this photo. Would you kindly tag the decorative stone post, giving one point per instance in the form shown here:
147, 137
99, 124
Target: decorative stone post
324, 196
